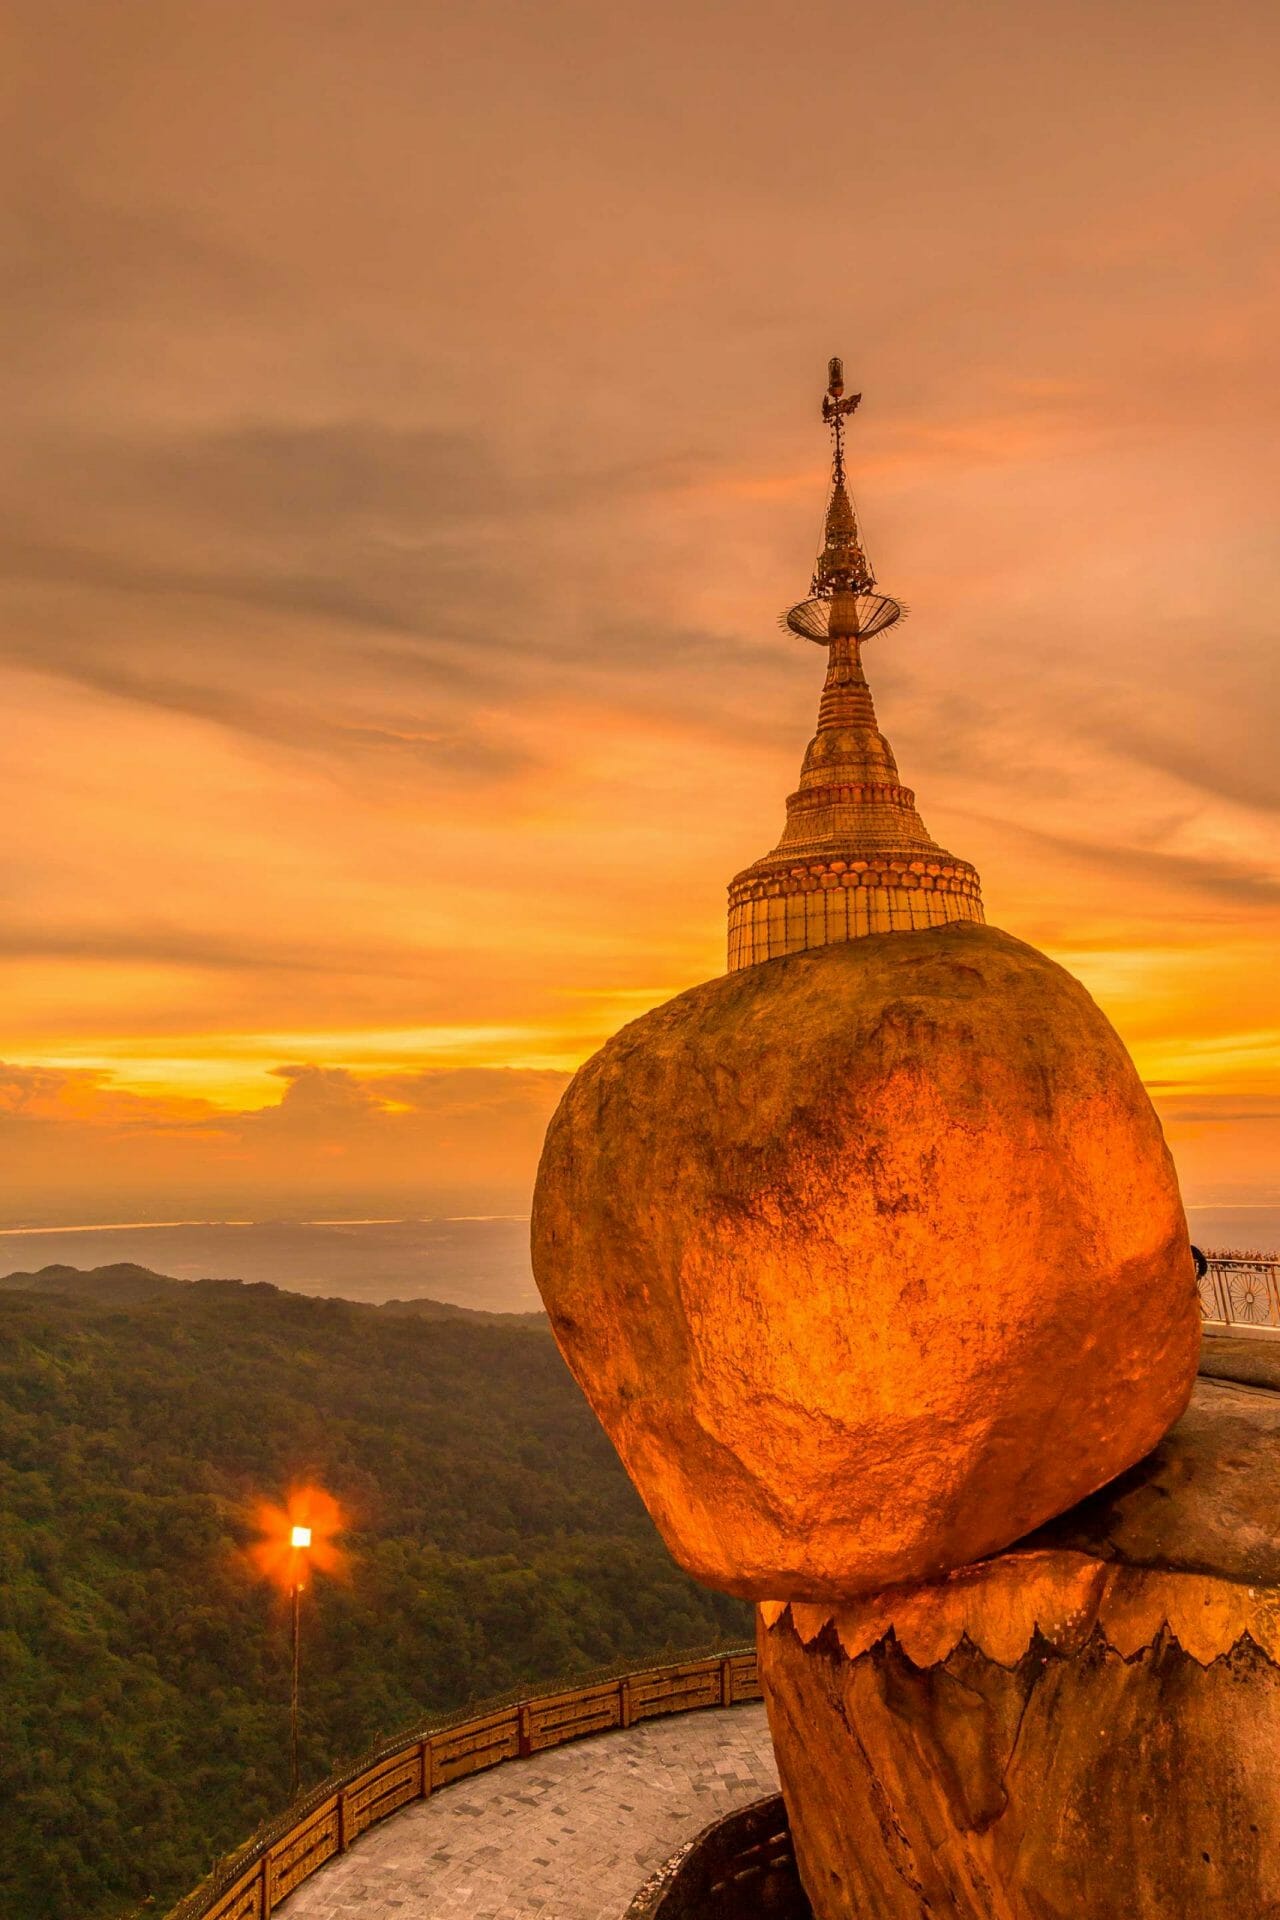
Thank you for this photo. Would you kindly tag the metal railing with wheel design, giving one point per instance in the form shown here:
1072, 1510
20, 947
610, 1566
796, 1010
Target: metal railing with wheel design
1240, 1290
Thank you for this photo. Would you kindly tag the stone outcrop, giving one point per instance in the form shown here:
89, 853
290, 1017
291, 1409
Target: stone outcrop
1086, 1725
869, 1260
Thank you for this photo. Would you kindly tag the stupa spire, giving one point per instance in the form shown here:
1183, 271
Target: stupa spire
854, 857
842, 564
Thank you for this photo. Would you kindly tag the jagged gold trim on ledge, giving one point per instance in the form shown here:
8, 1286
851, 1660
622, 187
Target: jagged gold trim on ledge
999, 1604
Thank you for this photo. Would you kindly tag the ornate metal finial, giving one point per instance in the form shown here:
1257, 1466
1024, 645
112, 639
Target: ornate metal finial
835, 410
843, 585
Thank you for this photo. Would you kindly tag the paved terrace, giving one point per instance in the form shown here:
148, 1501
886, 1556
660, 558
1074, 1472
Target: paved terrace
571, 1834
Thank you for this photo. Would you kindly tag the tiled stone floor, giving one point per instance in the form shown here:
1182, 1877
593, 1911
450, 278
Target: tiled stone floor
568, 1835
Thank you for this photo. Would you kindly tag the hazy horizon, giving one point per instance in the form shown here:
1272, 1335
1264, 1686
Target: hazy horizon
464, 1262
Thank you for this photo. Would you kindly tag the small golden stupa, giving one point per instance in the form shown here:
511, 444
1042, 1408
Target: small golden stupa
855, 856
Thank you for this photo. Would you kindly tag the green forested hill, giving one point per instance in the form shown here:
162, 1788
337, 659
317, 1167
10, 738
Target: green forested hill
144, 1670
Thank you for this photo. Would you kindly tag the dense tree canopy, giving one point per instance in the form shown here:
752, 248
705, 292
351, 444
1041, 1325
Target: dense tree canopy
494, 1540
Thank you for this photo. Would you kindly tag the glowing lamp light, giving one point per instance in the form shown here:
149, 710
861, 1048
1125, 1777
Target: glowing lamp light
297, 1537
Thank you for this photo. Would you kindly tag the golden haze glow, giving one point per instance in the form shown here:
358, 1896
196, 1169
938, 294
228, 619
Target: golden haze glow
411, 436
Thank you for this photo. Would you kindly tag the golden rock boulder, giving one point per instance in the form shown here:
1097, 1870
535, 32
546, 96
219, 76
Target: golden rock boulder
870, 1259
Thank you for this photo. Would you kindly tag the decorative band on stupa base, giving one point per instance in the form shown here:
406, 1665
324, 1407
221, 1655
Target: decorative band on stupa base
812, 903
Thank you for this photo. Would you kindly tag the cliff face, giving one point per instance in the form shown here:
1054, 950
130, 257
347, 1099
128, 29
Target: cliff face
1085, 1725
1139, 1789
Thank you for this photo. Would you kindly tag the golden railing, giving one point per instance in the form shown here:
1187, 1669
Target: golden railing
1240, 1290
251, 1884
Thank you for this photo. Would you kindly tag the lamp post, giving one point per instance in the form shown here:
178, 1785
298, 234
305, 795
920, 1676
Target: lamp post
290, 1542
300, 1547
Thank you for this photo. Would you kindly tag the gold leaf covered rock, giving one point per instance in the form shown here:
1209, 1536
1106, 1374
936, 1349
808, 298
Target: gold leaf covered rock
870, 1259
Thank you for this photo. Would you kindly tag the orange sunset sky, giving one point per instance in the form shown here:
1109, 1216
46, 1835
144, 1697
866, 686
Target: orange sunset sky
411, 436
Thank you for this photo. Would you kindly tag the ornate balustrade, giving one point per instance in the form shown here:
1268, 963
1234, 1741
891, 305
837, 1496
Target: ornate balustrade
252, 1883
1240, 1290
